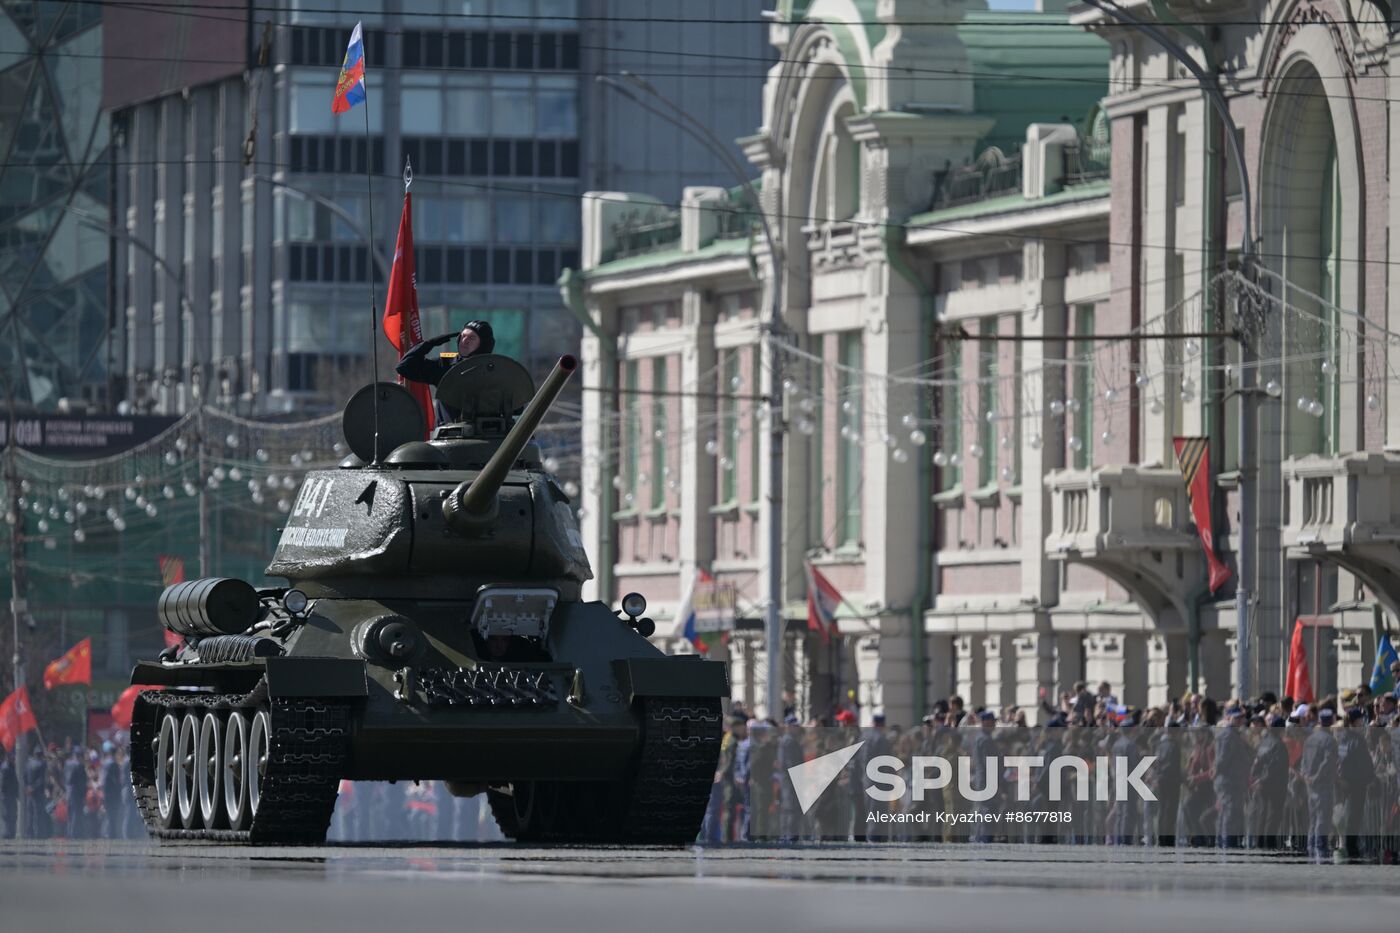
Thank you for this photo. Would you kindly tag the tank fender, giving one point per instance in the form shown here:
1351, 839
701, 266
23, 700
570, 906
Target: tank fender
678, 676
316, 677
285, 676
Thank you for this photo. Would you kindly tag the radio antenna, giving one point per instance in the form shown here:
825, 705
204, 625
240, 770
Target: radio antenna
373, 298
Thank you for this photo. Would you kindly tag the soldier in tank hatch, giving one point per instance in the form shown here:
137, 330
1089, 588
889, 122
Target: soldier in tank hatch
474, 339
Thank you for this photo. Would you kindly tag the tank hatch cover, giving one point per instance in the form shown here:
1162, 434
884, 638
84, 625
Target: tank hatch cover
490, 385
400, 420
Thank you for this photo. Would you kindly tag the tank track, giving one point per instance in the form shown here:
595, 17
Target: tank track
675, 771
663, 800
306, 758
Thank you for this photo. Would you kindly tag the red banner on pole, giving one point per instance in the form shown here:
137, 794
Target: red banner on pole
126, 705
1299, 682
75, 667
1193, 455
172, 571
16, 718
401, 323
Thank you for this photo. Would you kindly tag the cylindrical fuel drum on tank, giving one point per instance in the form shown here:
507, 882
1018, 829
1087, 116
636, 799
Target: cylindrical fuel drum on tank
209, 606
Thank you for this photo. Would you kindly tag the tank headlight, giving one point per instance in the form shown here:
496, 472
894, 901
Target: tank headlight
634, 604
295, 602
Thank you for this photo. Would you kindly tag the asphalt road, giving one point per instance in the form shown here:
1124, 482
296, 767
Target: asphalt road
97, 887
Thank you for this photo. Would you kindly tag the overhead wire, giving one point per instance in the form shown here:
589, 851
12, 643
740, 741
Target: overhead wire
909, 226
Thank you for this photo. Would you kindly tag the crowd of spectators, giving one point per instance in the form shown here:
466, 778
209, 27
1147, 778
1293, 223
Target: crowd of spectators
1318, 778
424, 811
69, 790
76, 792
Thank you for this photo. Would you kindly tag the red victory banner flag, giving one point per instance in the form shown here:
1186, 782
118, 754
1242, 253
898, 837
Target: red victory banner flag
75, 667
822, 600
401, 322
1193, 454
172, 571
16, 718
126, 705
1299, 682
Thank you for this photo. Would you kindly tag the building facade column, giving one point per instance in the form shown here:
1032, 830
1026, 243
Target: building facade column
1034, 665
1217, 653
1166, 667
1120, 658
1069, 659
999, 681
1353, 660
697, 493
598, 361
970, 666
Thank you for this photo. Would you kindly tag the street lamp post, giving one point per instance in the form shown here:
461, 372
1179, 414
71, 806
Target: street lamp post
1245, 535
102, 225
197, 370
18, 607
301, 194
773, 617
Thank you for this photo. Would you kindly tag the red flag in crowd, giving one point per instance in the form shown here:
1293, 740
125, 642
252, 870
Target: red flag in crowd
1193, 454
401, 323
172, 571
126, 703
822, 600
1299, 682
16, 718
75, 667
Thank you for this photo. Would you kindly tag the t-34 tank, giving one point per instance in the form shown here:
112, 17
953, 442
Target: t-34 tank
432, 629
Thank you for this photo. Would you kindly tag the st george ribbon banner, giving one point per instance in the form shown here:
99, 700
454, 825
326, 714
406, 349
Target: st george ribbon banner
1193, 455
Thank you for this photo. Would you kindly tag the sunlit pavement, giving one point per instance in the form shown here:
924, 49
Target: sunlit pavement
139, 886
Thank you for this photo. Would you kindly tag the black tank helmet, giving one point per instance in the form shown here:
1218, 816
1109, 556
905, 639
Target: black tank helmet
488, 337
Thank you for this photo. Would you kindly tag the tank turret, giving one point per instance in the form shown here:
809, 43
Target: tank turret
432, 627
472, 507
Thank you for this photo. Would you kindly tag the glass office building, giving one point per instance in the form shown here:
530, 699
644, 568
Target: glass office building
247, 251
54, 183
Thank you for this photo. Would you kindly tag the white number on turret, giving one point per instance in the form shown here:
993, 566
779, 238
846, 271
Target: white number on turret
312, 501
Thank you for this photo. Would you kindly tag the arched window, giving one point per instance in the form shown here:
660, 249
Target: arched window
836, 195
1303, 239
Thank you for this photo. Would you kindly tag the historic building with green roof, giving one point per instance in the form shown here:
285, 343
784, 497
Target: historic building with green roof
929, 171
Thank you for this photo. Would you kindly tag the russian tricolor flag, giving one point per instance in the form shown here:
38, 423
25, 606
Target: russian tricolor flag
350, 89
823, 599
686, 611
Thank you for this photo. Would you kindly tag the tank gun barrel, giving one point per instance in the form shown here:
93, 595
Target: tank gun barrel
471, 507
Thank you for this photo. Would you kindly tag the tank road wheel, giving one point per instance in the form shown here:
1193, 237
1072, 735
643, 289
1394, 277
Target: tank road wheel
255, 762
223, 772
185, 768
209, 769
235, 776
166, 741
